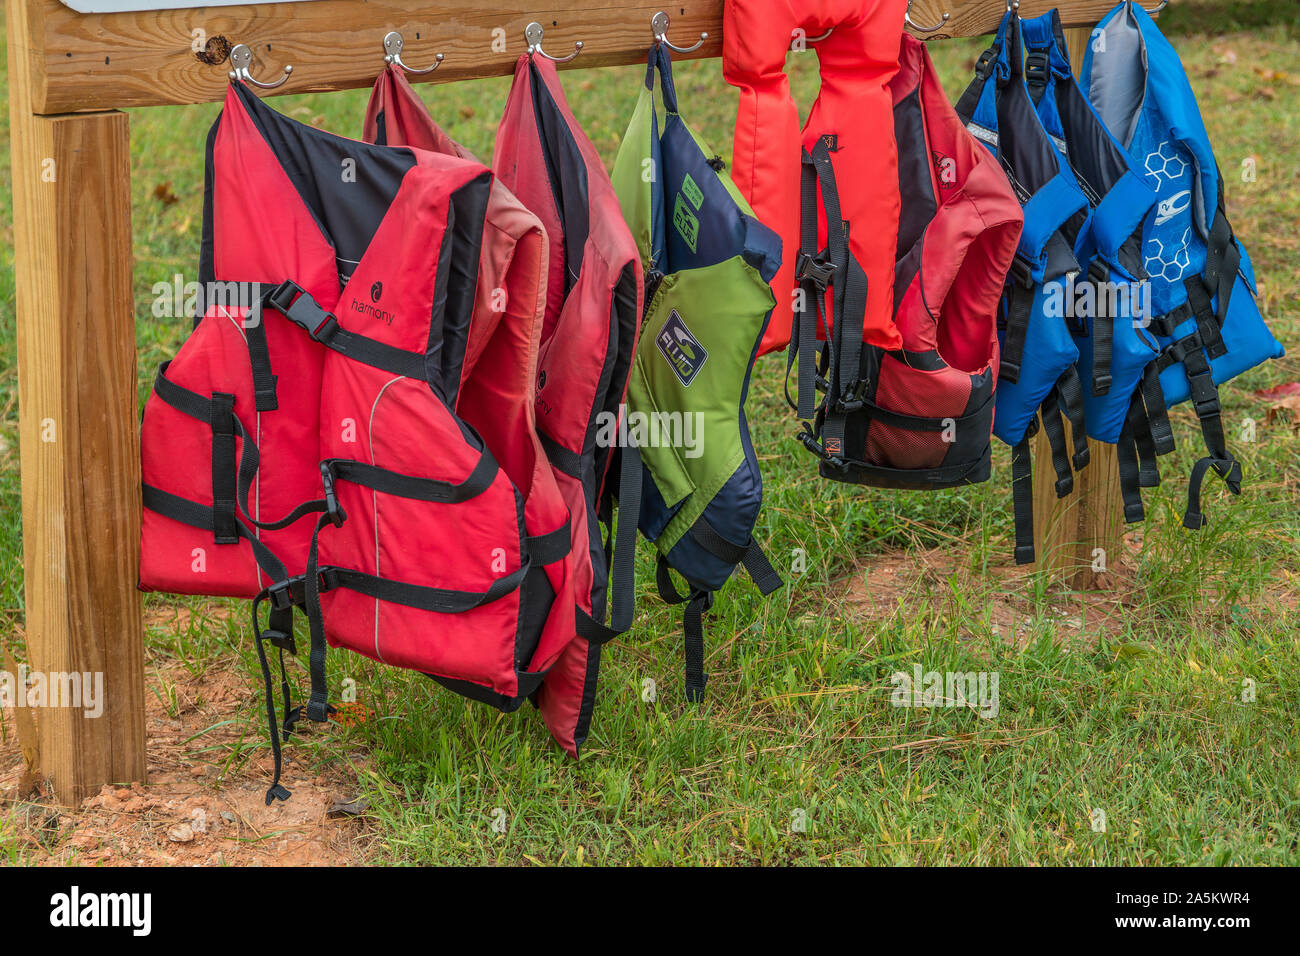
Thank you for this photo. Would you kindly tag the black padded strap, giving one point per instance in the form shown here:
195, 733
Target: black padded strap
1103, 329
623, 562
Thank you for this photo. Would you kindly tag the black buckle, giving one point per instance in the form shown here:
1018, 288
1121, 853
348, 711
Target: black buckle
284, 595
1098, 271
293, 302
1205, 394
816, 269
853, 399
332, 508
983, 70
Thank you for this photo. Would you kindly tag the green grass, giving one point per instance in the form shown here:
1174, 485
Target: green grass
1146, 723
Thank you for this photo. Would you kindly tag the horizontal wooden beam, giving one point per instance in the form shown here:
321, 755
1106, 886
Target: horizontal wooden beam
106, 61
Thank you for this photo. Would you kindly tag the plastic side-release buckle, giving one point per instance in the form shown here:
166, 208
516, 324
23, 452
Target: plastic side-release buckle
853, 398
292, 301
817, 269
984, 65
333, 509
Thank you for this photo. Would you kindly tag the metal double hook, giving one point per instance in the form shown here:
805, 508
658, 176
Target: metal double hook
659, 27
533, 34
393, 44
1159, 7
920, 29
241, 58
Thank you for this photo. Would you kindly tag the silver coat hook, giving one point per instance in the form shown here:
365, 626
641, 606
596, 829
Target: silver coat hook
1160, 6
920, 29
533, 36
1013, 6
659, 27
241, 58
393, 44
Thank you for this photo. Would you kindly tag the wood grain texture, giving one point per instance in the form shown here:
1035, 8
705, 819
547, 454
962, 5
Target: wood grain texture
78, 437
109, 61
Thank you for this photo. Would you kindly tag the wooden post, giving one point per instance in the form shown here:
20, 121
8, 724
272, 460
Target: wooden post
78, 438
1072, 533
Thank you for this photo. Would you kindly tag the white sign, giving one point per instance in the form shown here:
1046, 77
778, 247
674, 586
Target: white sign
122, 6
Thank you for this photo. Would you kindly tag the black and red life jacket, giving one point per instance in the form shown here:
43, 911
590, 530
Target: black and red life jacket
589, 336
323, 387
909, 352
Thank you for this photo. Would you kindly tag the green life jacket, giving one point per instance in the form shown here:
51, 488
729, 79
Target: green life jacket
709, 264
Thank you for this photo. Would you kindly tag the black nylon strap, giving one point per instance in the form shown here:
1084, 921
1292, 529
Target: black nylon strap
760, 569
1144, 443
552, 546
201, 516
1022, 500
623, 576
1153, 397
750, 555
850, 307
693, 634
259, 358
202, 408
567, 461
408, 486
1054, 429
1207, 322
223, 469
1130, 484
984, 69
1103, 330
1070, 393
813, 289
300, 308
1020, 301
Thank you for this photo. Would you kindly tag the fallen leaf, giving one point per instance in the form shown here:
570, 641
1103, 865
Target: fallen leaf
163, 193
349, 808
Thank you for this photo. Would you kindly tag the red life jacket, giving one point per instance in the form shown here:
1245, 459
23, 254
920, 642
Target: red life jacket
589, 334
499, 374
329, 392
857, 60
958, 231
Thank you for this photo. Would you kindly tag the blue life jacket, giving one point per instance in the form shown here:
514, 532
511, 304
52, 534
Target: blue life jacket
1206, 320
1117, 352
1038, 352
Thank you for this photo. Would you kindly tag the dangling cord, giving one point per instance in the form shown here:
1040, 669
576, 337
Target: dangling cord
276, 791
